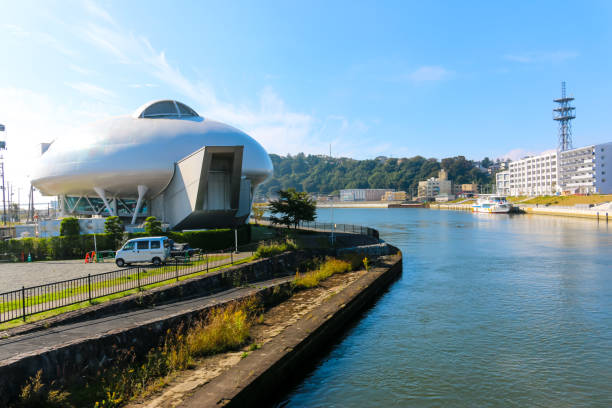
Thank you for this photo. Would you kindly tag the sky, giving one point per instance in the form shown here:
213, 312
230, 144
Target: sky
399, 79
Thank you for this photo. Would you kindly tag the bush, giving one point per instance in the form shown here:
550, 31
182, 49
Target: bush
330, 267
265, 251
69, 227
55, 248
114, 228
208, 240
153, 227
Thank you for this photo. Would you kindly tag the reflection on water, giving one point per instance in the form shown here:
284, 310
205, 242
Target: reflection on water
491, 310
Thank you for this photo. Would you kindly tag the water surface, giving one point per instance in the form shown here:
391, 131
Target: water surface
491, 310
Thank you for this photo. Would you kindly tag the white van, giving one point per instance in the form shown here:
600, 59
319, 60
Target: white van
150, 249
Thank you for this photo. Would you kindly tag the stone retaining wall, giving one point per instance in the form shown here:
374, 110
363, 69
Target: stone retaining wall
264, 374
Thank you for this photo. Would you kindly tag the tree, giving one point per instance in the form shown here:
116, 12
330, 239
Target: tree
153, 226
486, 163
114, 228
69, 227
293, 207
258, 211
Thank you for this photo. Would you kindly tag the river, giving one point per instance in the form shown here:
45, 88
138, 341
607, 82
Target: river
491, 311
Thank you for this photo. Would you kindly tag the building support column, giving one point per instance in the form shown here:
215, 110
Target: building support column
142, 190
102, 194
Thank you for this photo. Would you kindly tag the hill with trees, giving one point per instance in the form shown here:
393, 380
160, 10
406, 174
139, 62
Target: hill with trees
324, 174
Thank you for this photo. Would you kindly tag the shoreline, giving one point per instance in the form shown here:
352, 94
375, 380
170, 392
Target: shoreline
599, 215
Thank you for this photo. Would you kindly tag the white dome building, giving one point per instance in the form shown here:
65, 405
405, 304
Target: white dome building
164, 160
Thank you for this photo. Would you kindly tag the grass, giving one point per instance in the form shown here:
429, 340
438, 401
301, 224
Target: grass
328, 268
80, 305
265, 251
223, 329
570, 200
74, 291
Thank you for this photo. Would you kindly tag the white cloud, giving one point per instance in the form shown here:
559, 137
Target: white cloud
276, 126
98, 11
91, 90
430, 73
143, 85
39, 37
534, 57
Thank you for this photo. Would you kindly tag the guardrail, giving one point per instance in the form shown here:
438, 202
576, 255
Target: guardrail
24, 302
333, 227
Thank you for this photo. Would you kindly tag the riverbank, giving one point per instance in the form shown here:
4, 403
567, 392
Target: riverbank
595, 214
292, 334
369, 204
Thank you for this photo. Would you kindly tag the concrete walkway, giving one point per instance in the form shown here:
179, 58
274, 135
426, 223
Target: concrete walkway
17, 347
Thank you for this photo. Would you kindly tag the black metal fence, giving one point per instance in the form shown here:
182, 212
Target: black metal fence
332, 227
18, 304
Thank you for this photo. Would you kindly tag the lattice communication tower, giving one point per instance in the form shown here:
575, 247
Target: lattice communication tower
564, 114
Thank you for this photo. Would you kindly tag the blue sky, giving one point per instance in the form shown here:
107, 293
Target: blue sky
372, 78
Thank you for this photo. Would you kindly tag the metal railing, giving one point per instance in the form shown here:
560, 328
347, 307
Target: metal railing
24, 302
329, 227
20, 303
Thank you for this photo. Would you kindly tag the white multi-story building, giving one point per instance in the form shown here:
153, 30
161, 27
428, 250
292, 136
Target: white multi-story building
583, 170
502, 181
535, 175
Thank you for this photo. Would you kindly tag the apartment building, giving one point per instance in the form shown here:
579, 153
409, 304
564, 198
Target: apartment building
433, 186
502, 182
535, 175
584, 170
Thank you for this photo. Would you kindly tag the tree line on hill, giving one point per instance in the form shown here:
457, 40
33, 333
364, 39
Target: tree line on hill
324, 174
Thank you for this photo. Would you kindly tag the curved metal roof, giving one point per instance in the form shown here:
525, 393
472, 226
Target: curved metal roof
119, 153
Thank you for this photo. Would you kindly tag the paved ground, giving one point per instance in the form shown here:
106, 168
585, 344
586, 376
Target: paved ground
13, 347
15, 275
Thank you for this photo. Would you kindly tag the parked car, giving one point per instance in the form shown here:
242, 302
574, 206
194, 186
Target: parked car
150, 249
182, 249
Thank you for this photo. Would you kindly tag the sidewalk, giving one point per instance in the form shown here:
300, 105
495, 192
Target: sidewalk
17, 347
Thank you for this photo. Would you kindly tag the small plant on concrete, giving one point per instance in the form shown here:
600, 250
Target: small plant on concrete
37, 394
265, 251
366, 263
330, 267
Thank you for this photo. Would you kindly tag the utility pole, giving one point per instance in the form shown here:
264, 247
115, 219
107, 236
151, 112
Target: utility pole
3, 147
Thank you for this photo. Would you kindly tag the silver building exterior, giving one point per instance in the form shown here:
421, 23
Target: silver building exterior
164, 160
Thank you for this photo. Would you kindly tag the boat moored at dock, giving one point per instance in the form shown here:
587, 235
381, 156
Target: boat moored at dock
492, 204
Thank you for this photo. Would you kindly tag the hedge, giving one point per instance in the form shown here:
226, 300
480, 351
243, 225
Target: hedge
206, 240
56, 248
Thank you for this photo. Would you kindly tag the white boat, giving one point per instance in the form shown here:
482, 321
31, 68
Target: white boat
491, 204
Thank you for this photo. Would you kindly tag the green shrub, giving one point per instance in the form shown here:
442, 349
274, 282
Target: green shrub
207, 240
69, 227
153, 227
265, 251
330, 267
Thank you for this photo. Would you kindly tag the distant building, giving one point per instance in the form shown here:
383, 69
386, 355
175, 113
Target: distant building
429, 189
471, 188
583, 170
395, 196
363, 194
535, 175
502, 182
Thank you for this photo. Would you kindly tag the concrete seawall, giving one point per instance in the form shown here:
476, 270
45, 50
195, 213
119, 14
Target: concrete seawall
541, 210
261, 377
